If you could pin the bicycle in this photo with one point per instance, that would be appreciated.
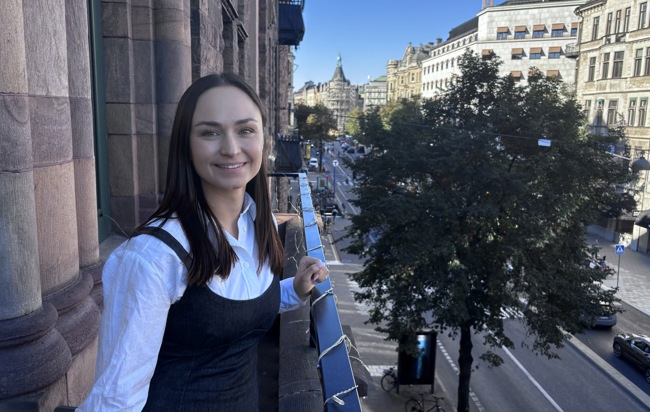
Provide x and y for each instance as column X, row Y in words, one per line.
column 389, row 380
column 417, row 405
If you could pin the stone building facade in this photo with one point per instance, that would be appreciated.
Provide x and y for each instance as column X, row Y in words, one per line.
column 338, row 95
column 374, row 93
column 88, row 90
column 614, row 83
column 404, row 77
column 522, row 33
column 341, row 97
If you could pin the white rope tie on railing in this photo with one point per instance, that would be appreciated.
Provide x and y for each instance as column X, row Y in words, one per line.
column 342, row 339
column 312, row 223
column 329, row 291
column 320, row 246
column 336, row 398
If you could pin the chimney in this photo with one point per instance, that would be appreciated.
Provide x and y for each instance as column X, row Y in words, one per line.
column 438, row 40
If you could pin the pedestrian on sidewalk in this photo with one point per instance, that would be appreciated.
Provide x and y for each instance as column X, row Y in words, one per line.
column 188, row 296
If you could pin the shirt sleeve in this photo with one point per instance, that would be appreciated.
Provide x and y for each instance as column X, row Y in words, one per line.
column 289, row 299
column 136, row 304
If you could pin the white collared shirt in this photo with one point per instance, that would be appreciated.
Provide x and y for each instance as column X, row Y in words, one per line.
column 142, row 278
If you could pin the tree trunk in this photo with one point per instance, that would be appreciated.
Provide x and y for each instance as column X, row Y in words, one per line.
column 465, row 365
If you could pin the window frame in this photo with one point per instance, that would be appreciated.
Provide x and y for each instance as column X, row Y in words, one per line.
column 643, row 10
column 604, row 71
column 591, row 74
column 617, row 65
column 608, row 24
column 638, row 62
column 631, row 111
column 643, row 111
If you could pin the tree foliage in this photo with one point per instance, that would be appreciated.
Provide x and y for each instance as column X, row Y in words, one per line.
column 315, row 122
column 463, row 213
column 353, row 123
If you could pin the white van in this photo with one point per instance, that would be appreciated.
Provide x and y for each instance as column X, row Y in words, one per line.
column 313, row 163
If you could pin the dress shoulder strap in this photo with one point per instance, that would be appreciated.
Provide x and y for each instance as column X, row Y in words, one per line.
column 164, row 236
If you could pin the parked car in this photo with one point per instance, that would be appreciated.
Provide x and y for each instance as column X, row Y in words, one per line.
column 635, row 348
column 607, row 318
column 313, row 163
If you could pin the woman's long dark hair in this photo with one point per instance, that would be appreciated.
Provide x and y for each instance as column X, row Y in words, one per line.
column 184, row 195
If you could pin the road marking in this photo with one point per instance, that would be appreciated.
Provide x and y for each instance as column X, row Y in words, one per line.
column 534, row 382
column 455, row 368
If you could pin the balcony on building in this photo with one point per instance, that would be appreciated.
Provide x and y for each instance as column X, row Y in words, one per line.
column 292, row 26
column 572, row 50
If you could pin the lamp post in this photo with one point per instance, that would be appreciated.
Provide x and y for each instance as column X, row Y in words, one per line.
column 639, row 165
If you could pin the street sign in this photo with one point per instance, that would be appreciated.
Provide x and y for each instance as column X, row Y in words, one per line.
column 335, row 163
column 620, row 249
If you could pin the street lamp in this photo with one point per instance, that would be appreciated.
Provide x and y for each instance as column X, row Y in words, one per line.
column 638, row 165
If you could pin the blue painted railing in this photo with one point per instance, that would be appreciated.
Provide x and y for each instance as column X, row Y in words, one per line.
column 337, row 379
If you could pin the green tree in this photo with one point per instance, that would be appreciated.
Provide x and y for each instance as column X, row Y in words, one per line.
column 353, row 123
column 316, row 123
column 463, row 213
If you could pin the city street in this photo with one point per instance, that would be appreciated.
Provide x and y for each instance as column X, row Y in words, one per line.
column 586, row 377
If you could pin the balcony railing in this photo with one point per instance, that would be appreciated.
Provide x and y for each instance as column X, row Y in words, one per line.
column 336, row 374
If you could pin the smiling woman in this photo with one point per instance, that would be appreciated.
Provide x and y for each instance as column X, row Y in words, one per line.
column 189, row 295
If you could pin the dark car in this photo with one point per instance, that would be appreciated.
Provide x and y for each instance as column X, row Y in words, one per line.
column 635, row 348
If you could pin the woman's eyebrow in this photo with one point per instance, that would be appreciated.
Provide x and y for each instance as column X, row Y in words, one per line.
column 217, row 124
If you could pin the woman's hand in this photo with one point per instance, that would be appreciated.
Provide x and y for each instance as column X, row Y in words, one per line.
column 310, row 272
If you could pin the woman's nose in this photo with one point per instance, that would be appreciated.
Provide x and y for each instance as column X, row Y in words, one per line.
column 229, row 144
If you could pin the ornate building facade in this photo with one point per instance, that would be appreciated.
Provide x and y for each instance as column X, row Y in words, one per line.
column 614, row 85
column 338, row 95
column 88, row 91
column 404, row 77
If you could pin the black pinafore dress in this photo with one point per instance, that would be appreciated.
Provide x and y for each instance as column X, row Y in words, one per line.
column 208, row 358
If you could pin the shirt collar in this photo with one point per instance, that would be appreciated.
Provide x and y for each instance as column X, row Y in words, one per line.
column 249, row 206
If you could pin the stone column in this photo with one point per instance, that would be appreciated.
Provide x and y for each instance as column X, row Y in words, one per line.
column 173, row 68
column 78, row 311
column 33, row 354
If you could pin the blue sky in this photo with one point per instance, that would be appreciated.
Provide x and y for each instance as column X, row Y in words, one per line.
column 369, row 33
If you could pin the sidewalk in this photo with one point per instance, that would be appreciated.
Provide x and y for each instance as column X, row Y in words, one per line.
column 633, row 278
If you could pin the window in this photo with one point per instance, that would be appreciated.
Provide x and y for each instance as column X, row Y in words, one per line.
column 557, row 30
column 552, row 73
column 538, row 31
column 520, row 32
column 485, row 53
column 608, row 26
column 631, row 112
column 587, row 108
column 517, row 54
column 554, row 52
column 617, row 67
column 574, row 29
column 638, row 58
column 626, row 22
column 605, row 71
column 646, row 71
column 643, row 107
column 611, row 111
column 516, row 75
column 643, row 8
column 617, row 22
column 502, row 33
column 592, row 69
column 412, row 77
column 599, row 113
column 536, row 53
column 594, row 29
